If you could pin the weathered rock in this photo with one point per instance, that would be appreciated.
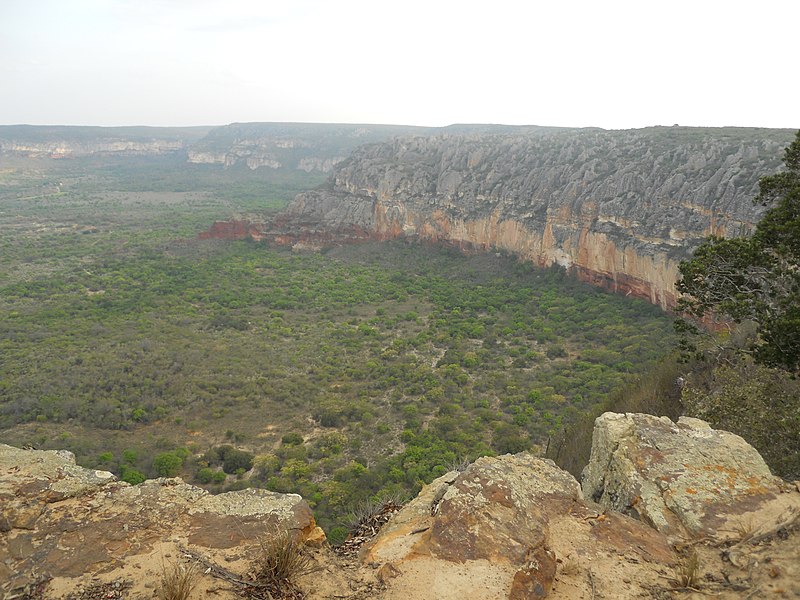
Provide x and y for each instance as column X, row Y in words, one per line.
column 63, row 521
column 679, row 478
column 500, row 529
column 620, row 209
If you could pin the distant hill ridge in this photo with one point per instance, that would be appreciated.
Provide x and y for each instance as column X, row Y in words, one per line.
column 305, row 146
column 618, row 208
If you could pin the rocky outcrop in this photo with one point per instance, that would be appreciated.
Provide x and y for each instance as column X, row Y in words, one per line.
column 618, row 208
column 680, row 478
column 519, row 527
column 504, row 528
column 509, row 527
column 233, row 230
column 62, row 521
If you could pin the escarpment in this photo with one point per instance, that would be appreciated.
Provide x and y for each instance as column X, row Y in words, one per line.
column 620, row 209
column 73, row 141
column 304, row 146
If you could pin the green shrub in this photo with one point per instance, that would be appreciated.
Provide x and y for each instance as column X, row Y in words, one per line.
column 205, row 475
column 237, row 459
column 167, row 464
column 292, row 439
column 132, row 476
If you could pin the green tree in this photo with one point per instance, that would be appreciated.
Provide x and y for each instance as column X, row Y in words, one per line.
column 757, row 278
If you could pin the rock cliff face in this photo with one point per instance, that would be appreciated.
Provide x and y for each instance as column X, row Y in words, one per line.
column 656, row 498
column 69, row 142
column 304, row 146
column 618, row 208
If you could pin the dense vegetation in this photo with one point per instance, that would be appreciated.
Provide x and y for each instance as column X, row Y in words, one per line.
column 363, row 371
column 756, row 278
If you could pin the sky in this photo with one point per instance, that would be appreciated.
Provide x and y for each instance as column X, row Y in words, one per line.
column 614, row 64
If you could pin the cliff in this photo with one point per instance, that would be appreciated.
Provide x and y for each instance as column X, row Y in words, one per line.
column 304, row 146
column 657, row 497
column 620, row 209
column 70, row 142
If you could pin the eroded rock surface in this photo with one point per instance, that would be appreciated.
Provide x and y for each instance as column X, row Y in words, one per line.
column 506, row 528
column 512, row 527
column 62, row 521
column 679, row 477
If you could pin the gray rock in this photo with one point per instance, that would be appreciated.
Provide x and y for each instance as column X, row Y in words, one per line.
column 679, row 478
column 499, row 529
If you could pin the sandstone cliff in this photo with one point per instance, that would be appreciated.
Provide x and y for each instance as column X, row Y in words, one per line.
column 618, row 208
column 657, row 498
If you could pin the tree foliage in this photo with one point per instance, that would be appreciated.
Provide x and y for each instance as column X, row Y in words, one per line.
column 756, row 278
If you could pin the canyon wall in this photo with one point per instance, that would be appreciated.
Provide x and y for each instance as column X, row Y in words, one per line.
column 620, row 209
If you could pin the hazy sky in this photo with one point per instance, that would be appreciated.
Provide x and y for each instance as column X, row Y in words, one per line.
column 612, row 63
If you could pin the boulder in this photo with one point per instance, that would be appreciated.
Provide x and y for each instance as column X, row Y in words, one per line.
column 681, row 478
column 507, row 527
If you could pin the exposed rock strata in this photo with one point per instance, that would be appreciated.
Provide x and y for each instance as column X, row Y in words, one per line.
column 72, row 142
column 618, row 208
column 304, row 146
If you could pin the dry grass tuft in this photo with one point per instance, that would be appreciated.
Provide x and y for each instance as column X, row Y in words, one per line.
column 687, row 573
column 281, row 561
column 744, row 530
column 177, row 581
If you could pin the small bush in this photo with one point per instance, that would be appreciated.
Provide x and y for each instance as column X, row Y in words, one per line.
column 292, row 439
column 132, row 476
column 237, row 459
column 205, row 475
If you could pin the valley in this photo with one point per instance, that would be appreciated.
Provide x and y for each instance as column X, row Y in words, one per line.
column 358, row 371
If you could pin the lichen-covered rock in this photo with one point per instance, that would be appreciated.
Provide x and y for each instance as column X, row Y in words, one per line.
column 501, row 528
column 62, row 521
column 679, row 477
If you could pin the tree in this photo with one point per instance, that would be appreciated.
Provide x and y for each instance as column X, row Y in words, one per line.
column 757, row 278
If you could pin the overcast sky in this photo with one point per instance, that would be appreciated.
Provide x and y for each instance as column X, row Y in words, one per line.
column 612, row 63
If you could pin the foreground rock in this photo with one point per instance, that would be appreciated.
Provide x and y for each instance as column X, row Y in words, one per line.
column 683, row 478
column 511, row 527
column 67, row 523
column 685, row 510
